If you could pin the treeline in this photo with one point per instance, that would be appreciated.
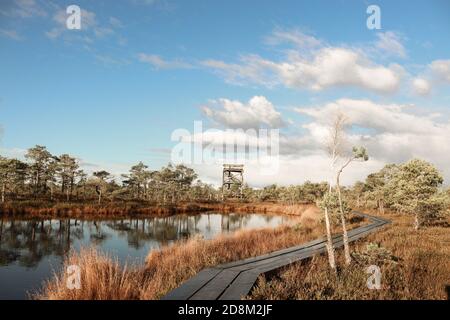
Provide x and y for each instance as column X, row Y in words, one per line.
column 44, row 176
column 309, row 192
column 413, row 187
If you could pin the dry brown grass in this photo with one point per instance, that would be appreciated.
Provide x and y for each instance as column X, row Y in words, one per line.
column 422, row 272
column 167, row 268
column 48, row 210
column 77, row 210
column 102, row 278
column 302, row 209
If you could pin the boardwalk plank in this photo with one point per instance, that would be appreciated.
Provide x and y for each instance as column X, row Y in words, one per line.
column 235, row 279
column 214, row 288
column 189, row 287
column 241, row 286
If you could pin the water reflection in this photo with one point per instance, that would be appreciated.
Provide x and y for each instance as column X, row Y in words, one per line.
column 29, row 249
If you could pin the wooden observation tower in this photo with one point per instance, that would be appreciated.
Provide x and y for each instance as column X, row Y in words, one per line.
column 232, row 180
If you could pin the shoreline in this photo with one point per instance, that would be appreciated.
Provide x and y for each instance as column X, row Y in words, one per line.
column 168, row 267
column 23, row 210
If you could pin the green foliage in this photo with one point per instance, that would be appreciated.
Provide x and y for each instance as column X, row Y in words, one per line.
column 376, row 192
column 360, row 153
column 270, row 193
column 435, row 209
column 330, row 201
column 412, row 186
column 374, row 254
column 308, row 192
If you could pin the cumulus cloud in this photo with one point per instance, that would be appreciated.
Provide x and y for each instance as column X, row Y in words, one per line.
column 256, row 113
column 15, row 153
column 320, row 68
column 435, row 74
column 368, row 114
column 441, row 70
column 421, row 86
column 115, row 169
column 339, row 67
column 159, row 63
column 292, row 171
column 391, row 132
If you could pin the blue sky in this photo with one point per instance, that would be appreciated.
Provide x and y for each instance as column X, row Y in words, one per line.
column 113, row 92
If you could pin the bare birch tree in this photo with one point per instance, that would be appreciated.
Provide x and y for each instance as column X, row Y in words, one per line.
column 336, row 146
column 357, row 154
column 333, row 146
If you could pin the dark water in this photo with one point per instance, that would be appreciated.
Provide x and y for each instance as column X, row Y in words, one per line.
column 30, row 250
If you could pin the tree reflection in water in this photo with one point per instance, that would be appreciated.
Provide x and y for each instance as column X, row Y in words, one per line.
column 27, row 242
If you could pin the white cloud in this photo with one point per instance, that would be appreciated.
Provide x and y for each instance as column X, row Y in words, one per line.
column 390, row 43
column 103, row 31
column 159, row 63
column 441, row 70
column 88, row 22
column 251, row 68
column 24, row 9
column 108, row 60
column 392, row 118
column 295, row 37
column 292, row 170
column 15, row 153
column 391, row 132
column 115, row 22
column 257, row 112
column 115, row 169
column 339, row 67
column 12, row 34
column 320, row 68
column 435, row 74
column 91, row 28
column 421, row 86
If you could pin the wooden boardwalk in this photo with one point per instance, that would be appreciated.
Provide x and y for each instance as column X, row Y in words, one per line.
column 231, row 281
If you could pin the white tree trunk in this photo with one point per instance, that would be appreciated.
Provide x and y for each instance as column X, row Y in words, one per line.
column 348, row 258
column 330, row 248
column 416, row 222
